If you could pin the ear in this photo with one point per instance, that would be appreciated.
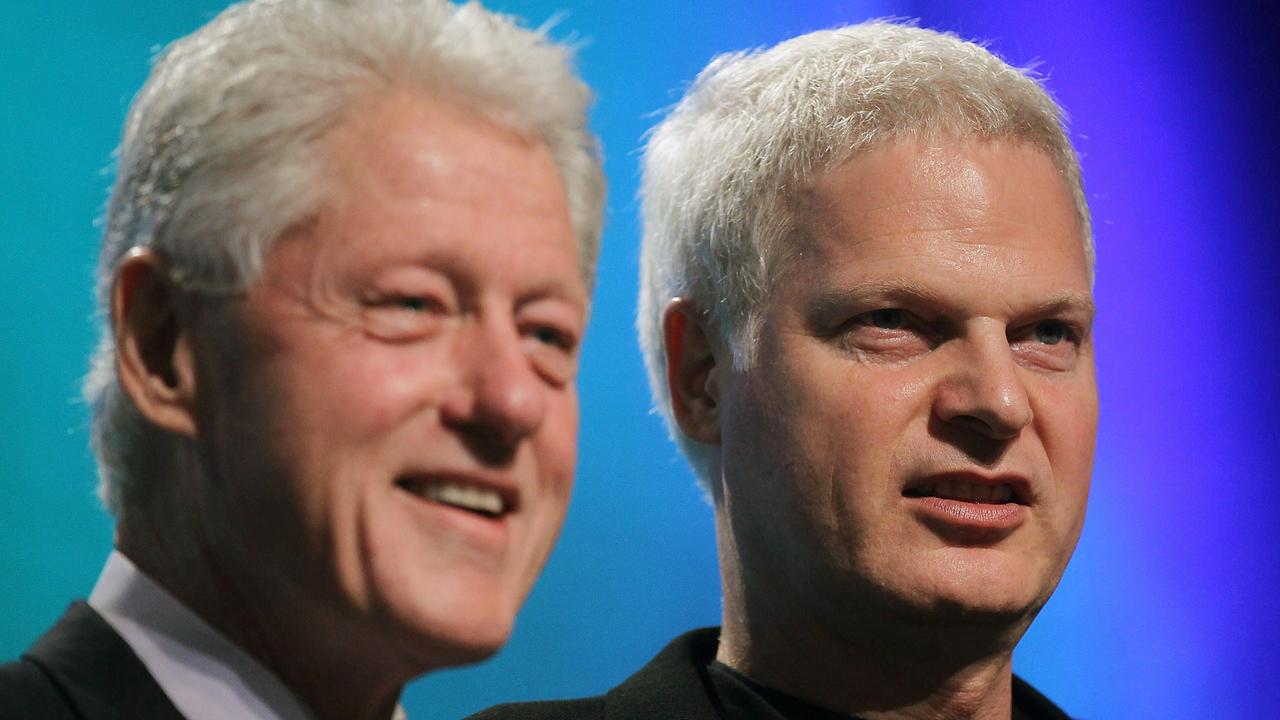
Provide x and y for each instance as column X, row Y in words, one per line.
column 693, row 372
column 154, row 359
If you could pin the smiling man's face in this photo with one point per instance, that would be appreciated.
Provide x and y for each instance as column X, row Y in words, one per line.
column 917, row 431
column 390, row 443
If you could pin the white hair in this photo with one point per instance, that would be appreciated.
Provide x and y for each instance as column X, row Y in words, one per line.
column 757, row 126
column 222, row 152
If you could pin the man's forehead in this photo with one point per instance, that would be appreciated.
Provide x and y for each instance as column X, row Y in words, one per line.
column 403, row 140
column 912, row 220
column 436, row 187
column 938, row 185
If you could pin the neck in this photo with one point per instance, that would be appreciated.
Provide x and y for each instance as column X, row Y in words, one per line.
column 335, row 669
column 866, row 660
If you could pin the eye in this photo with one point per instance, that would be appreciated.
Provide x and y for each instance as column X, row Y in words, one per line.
column 885, row 318
column 553, row 351
column 1050, row 344
column 413, row 303
column 404, row 316
column 887, row 334
column 1050, row 332
column 553, row 337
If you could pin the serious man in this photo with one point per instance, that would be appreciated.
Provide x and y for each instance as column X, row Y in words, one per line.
column 866, row 310
column 344, row 279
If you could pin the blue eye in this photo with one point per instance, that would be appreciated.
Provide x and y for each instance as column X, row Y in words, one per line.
column 1051, row 332
column 886, row 319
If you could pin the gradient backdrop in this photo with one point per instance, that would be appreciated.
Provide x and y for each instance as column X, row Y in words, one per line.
column 1168, row 609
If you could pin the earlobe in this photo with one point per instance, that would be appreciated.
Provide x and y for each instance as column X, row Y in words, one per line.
column 154, row 358
column 693, row 373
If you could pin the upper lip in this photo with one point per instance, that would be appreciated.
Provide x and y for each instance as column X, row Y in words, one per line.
column 506, row 488
column 1019, row 484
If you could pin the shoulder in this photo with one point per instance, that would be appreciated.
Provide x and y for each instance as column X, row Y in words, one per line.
column 27, row 691
column 81, row 668
column 34, row 686
column 1030, row 704
column 671, row 686
column 584, row 708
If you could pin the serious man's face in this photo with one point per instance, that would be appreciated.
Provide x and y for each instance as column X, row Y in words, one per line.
column 918, row 430
column 391, row 443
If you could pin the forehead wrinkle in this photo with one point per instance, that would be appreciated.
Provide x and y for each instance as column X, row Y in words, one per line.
column 943, row 190
column 826, row 228
column 373, row 152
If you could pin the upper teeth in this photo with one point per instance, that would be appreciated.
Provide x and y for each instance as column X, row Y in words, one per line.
column 960, row 490
column 468, row 497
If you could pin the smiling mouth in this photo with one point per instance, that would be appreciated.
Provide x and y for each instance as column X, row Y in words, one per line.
column 477, row 499
column 964, row 491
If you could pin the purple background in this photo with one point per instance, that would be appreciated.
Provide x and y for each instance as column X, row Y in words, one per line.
column 1168, row 609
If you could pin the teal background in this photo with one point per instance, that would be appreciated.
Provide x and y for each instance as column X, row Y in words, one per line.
column 1169, row 608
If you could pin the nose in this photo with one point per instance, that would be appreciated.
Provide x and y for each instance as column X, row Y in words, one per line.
column 985, row 394
column 500, row 399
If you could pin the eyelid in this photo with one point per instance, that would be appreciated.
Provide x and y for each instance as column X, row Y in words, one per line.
column 565, row 339
column 556, row 358
column 866, row 316
column 911, row 322
column 1071, row 328
column 430, row 301
column 563, row 318
column 388, row 313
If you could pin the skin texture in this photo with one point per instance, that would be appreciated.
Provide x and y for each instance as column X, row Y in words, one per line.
column 424, row 326
column 935, row 319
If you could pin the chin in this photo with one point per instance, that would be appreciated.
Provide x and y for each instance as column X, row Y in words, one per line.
column 979, row 592
column 982, row 609
column 451, row 634
column 443, row 644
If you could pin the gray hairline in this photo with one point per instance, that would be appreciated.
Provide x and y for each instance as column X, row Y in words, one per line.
column 150, row 182
column 687, row 266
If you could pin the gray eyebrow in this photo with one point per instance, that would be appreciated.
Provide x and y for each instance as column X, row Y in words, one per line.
column 889, row 288
column 1066, row 301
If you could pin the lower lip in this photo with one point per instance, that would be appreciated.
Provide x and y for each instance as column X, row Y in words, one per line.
column 969, row 522
column 487, row 533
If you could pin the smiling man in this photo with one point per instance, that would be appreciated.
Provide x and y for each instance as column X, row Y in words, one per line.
column 345, row 275
column 866, row 310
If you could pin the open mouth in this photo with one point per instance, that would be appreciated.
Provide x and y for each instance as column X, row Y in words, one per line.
column 985, row 493
column 477, row 499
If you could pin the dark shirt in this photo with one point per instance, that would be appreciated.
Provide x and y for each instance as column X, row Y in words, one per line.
column 684, row 682
column 738, row 697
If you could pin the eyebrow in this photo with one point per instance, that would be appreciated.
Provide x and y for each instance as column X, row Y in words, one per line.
column 1068, row 302
column 880, row 289
column 910, row 292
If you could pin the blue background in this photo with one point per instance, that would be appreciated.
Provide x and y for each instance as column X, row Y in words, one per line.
column 1169, row 608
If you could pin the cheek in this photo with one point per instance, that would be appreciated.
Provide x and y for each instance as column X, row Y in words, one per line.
column 557, row 444
column 1067, row 422
column 369, row 388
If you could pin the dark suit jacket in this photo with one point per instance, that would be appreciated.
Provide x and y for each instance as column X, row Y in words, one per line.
column 675, row 686
column 81, row 670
